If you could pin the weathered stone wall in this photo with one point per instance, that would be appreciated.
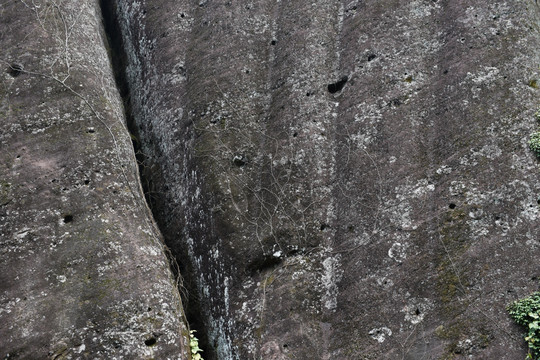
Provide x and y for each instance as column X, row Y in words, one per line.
column 83, row 273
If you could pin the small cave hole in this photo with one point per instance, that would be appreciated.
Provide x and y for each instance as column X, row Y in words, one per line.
column 239, row 160
column 395, row 102
column 285, row 346
column 91, row 130
column 445, row 72
column 452, row 206
column 150, row 342
column 417, row 311
column 86, row 182
column 338, row 86
column 182, row 15
column 323, row 227
column 371, row 57
column 68, row 218
column 149, row 309
column 264, row 263
column 273, row 42
column 15, row 69
column 295, row 134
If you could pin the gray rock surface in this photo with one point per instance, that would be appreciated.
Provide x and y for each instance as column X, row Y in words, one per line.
column 337, row 179
column 83, row 272
column 343, row 179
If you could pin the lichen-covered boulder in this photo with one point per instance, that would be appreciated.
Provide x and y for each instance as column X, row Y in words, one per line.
column 83, row 272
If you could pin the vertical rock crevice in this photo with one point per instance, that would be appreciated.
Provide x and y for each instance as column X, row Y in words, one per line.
column 119, row 62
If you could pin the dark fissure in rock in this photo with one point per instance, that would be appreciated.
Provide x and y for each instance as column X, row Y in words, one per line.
column 119, row 62
column 338, row 86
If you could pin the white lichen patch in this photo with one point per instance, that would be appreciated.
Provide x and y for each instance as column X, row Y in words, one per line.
column 421, row 9
column 332, row 275
column 416, row 309
column 398, row 251
column 380, row 334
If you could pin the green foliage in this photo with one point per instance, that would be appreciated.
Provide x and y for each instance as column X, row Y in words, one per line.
column 194, row 345
column 526, row 312
column 534, row 143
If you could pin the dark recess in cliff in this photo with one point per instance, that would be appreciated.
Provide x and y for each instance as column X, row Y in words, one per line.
column 119, row 61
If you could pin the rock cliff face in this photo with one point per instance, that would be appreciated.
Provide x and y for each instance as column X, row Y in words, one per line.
column 336, row 179
column 343, row 179
column 83, row 273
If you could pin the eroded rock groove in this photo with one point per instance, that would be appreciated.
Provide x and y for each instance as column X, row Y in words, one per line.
column 119, row 62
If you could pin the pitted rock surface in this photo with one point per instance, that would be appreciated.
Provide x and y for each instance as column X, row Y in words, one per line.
column 336, row 179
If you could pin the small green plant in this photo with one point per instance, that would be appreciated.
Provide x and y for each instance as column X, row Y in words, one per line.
column 534, row 143
column 194, row 345
column 526, row 312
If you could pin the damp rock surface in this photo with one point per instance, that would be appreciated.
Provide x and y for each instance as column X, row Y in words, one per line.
column 83, row 273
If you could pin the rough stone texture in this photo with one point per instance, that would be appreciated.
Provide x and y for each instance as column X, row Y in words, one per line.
column 338, row 179
column 343, row 179
column 83, row 273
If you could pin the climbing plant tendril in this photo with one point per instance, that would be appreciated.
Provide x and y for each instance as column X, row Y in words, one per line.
column 526, row 312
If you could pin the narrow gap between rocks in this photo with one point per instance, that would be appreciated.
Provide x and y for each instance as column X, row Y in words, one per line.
column 118, row 59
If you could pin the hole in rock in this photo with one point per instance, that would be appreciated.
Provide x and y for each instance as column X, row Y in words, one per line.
column 239, row 160
column 263, row 263
column 15, row 69
column 338, row 86
column 371, row 57
column 452, row 206
column 150, row 342
column 68, row 218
